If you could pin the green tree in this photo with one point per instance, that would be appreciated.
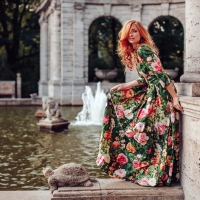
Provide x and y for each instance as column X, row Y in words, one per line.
column 19, row 42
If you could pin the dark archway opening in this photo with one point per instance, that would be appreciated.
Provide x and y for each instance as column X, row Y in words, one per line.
column 103, row 38
column 168, row 35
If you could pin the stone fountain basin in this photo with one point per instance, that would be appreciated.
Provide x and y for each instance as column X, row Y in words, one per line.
column 50, row 127
column 106, row 74
column 172, row 72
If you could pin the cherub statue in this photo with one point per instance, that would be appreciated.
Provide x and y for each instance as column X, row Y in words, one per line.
column 52, row 111
column 70, row 174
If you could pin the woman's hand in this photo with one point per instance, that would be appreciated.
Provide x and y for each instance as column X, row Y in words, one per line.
column 176, row 104
column 116, row 87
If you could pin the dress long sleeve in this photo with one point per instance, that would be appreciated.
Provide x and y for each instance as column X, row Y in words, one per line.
column 150, row 67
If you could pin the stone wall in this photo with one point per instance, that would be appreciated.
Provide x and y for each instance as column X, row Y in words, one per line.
column 190, row 147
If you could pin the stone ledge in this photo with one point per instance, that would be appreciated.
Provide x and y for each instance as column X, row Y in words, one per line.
column 116, row 189
column 188, row 89
column 20, row 102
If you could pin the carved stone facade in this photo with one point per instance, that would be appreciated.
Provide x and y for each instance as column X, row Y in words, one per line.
column 64, row 39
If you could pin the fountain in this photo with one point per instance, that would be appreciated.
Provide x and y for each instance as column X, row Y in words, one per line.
column 93, row 107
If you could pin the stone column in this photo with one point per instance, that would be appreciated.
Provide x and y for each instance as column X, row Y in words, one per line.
column 78, row 54
column 191, row 74
column 43, row 89
column 67, row 47
column 55, row 56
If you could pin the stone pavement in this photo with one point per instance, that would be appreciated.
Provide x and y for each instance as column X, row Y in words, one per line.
column 116, row 189
column 25, row 195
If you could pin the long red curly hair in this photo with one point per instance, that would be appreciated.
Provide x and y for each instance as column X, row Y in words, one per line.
column 125, row 49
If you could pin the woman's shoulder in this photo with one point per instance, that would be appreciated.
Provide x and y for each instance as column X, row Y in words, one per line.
column 144, row 50
column 144, row 47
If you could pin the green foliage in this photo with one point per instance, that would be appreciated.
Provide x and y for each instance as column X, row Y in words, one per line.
column 102, row 47
column 19, row 43
column 168, row 35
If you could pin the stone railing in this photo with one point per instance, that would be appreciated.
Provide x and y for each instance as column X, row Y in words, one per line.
column 7, row 88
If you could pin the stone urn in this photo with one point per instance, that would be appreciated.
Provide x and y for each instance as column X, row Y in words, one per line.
column 106, row 74
column 172, row 72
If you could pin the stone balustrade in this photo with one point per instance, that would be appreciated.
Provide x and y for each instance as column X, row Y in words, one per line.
column 7, row 89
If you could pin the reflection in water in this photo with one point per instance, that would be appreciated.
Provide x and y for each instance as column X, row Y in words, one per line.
column 24, row 150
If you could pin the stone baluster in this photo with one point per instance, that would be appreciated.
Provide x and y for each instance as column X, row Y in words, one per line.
column 191, row 74
column 19, row 84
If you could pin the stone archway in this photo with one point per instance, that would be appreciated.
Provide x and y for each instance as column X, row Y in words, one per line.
column 168, row 35
column 103, row 39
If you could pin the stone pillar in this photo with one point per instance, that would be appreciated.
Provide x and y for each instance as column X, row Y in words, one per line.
column 43, row 88
column 19, row 85
column 78, row 54
column 191, row 74
column 55, row 56
column 67, row 46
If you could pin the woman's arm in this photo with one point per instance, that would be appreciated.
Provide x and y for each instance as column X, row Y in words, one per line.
column 125, row 85
column 176, row 103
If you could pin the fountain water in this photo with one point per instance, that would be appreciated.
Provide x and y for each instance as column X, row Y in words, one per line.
column 93, row 107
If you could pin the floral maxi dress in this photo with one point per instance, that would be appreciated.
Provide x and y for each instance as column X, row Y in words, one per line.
column 140, row 132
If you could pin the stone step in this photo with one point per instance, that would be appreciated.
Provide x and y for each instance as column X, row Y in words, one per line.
column 116, row 189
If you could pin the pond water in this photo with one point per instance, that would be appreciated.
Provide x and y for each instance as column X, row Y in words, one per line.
column 24, row 150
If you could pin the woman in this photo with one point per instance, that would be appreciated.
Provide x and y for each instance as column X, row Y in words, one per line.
column 140, row 133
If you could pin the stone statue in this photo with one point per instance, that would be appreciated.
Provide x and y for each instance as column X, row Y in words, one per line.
column 70, row 174
column 52, row 111
column 52, row 119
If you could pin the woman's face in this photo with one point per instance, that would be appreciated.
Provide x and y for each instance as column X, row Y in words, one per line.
column 134, row 35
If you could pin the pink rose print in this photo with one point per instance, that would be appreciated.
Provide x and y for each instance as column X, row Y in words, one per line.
column 140, row 126
column 143, row 181
column 170, row 169
column 130, row 133
column 136, row 164
column 119, row 107
column 160, row 127
column 120, row 173
column 169, row 141
column 172, row 117
column 142, row 113
column 157, row 65
column 107, row 135
column 106, row 119
column 100, row 160
column 120, row 113
column 149, row 150
column 138, row 156
column 164, row 177
column 141, row 138
column 149, row 59
column 149, row 109
column 122, row 159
